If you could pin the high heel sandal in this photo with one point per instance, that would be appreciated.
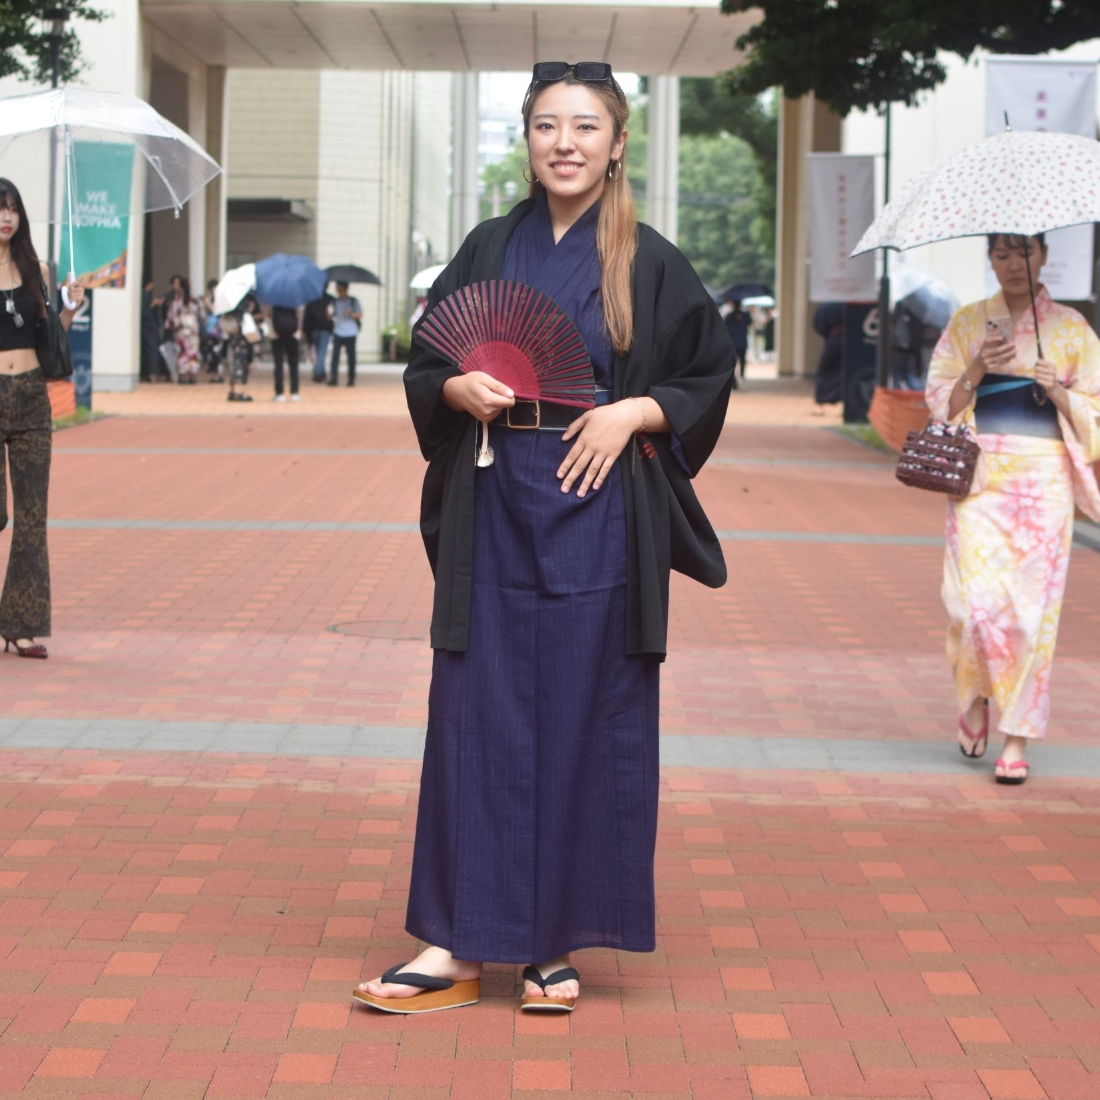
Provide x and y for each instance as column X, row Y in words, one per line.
column 975, row 739
column 36, row 651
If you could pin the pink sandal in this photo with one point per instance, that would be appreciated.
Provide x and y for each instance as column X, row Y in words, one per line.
column 1009, row 778
column 975, row 739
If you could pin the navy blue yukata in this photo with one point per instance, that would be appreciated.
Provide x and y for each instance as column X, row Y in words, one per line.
column 538, row 803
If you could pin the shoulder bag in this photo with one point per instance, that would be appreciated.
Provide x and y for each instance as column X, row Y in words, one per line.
column 51, row 343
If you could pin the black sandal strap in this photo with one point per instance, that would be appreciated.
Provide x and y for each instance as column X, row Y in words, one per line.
column 396, row 976
column 566, row 974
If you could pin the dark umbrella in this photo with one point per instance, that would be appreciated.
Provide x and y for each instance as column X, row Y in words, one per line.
column 351, row 273
column 736, row 291
column 930, row 305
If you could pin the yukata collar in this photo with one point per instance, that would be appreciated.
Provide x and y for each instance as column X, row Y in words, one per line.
column 542, row 212
column 998, row 307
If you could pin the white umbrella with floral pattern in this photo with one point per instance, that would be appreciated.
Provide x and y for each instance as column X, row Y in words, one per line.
column 1019, row 182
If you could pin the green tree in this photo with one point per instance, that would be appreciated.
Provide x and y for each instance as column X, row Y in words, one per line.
column 25, row 50
column 718, row 211
column 856, row 54
column 710, row 107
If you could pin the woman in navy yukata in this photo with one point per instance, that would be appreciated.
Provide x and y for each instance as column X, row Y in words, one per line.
column 538, row 806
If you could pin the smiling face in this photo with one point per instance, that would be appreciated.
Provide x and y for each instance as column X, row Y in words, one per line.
column 571, row 142
column 1010, row 257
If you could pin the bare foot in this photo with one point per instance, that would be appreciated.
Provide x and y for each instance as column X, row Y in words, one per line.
column 974, row 718
column 571, row 988
column 432, row 960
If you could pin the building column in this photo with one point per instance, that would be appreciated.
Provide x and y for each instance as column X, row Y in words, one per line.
column 217, row 131
column 805, row 126
column 663, row 175
column 464, row 138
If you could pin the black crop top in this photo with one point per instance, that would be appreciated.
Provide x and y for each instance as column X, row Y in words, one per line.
column 23, row 302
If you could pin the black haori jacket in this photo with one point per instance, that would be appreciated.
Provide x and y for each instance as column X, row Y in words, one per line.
column 681, row 356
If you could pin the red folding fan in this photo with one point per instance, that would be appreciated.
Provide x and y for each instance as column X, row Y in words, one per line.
column 517, row 335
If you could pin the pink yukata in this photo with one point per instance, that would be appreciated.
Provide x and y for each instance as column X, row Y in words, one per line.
column 1008, row 542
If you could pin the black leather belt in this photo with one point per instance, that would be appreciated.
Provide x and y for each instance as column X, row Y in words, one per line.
column 544, row 415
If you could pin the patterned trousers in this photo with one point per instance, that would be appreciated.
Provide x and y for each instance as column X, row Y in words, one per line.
column 26, row 427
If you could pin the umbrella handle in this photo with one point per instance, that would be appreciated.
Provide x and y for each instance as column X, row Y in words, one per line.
column 69, row 183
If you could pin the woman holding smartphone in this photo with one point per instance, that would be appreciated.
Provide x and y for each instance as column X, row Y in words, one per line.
column 1037, row 420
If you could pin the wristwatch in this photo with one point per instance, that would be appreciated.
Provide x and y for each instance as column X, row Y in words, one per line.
column 967, row 384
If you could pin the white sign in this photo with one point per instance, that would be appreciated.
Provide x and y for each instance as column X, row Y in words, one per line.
column 842, row 204
column 1059, row 96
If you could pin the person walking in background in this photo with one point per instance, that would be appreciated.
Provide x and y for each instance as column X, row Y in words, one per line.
column 151, row 369
column 1037, row 421
column 737, row 325
column 284, row 345
column 829, row 376
column 347, row 313
column 182, row 322
column 241, row 333
column 537, row 823
column 212, row 342
column 317, row 330
column 26, row 428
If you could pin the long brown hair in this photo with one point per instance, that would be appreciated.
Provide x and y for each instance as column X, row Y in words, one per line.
column 22, row 247
column 617, row 228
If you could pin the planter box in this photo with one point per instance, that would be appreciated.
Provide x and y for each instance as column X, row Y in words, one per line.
column 896, row 413
column 62, row 398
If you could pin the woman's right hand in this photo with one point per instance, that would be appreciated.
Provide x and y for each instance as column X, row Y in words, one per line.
column 479, row 394
column 995, row 355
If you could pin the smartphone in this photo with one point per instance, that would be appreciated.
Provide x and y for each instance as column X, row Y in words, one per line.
column 1001, row 328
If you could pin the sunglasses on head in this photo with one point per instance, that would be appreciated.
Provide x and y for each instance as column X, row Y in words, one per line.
column 589, row 72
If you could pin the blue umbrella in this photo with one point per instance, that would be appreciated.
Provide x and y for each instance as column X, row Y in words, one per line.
column 289, row 281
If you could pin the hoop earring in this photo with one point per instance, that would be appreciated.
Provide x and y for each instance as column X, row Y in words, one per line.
column 611, row 169
column 523, row 172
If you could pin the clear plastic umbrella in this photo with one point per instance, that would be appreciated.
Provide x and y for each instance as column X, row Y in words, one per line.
column 168, row 165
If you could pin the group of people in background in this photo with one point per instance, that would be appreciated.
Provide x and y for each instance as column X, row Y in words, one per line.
column 183, row 336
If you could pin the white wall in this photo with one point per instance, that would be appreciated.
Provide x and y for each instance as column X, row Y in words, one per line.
column 946, row 120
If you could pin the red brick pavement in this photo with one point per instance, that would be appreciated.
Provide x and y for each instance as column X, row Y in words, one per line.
column 181, row 926
column 807, row 639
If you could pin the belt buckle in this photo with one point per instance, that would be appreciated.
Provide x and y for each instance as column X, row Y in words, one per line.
column 524, row 427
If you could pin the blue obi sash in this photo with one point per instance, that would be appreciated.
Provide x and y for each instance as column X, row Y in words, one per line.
column 1006, row 405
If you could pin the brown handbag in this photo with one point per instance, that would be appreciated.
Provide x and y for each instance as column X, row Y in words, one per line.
column 940, row 458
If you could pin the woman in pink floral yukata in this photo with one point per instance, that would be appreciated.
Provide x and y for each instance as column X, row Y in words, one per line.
column 1037, row 420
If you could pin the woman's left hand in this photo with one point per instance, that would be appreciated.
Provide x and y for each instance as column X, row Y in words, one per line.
column 601, row 434
column 1046, row 375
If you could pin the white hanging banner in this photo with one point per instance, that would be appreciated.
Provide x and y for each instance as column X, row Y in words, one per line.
column 842, row 205
column 1058, row 96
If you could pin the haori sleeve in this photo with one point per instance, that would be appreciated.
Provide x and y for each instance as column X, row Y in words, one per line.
column 434, row 420
column 1084, row 395
column 949, row 360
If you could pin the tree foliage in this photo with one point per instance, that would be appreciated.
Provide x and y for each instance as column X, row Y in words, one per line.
column 857, row 54
column 25, row 48
column 708, row 107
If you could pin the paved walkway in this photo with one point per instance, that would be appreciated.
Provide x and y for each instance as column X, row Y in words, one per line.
column 208, row 793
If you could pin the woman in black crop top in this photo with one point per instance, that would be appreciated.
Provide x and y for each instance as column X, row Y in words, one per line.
column 26, row 424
